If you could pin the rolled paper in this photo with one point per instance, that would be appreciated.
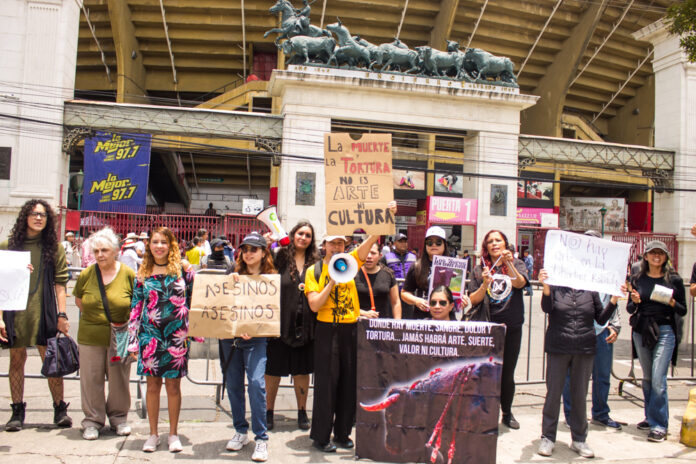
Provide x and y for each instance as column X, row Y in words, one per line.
column 661, row 294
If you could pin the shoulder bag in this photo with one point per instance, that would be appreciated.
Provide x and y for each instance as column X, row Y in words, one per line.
column 61, row 356
column 118, row 346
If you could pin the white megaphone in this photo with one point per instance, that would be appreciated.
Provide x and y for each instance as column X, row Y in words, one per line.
column 269, row 216
column 342, row 268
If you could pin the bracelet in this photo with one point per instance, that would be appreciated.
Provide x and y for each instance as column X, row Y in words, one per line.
column 63, row 315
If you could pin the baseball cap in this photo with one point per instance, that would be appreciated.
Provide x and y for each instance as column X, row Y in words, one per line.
column 400, row 236
column 70, row 234
column 656, row 245
column 436, row 231
column 254, row 239
column 331, row 238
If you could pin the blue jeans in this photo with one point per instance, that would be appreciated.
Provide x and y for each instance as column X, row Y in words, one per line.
column 249, row 356
column 601, row 373
column 654, row 364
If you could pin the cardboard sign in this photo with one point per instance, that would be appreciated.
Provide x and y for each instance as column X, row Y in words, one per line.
column 14, row 280
column 358, row 184
column 428, row 391
column 584, row 262
column 223, row 308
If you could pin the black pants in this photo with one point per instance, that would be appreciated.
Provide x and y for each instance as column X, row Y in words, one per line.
column 513, row 342
column 334, row 381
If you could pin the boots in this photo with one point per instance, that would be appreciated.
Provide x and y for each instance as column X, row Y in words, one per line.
column 16, row 422
column 302, row 420
column 60, row 414
column 269, row 419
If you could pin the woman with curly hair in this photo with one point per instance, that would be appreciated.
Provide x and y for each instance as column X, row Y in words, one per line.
column 158, row 329
column 35, row 232
column 293, row 353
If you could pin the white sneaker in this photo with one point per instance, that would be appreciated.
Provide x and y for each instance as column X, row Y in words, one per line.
column 582, row 449
column 123, row 430
column 261, row 451
column 151, row 443
column 237, row 442
column 545, row 447
column 174, row 444
column 90, row 433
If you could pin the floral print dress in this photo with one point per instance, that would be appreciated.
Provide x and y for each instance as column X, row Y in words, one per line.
column 158, row 327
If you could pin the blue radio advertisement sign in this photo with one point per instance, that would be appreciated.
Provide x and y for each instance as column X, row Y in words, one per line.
column 116, row 172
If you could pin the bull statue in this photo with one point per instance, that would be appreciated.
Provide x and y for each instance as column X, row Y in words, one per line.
column 300, row 49
column 440, row 64
column 348, row 50
column 455, row 402
column 483, row 65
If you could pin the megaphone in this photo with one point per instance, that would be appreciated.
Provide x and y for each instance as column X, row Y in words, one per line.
column 342, row 268
column 269, row 216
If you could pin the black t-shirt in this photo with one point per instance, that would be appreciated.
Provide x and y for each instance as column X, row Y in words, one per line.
column 381, row 282
column 411, row 285
column 510, row 309
column 297, row 321
column 662, row 313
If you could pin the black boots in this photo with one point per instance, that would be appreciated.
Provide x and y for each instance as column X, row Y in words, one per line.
column 60, row 414
column 269, row 419
column 16, row 422
column 302, row 420
column 510, row 421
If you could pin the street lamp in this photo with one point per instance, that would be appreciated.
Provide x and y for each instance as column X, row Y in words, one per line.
column 603, row 212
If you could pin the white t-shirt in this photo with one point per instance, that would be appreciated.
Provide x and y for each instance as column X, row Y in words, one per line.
column 130, row 258
column 140, row 247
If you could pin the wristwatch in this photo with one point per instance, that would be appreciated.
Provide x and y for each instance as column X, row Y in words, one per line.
column 63, row 315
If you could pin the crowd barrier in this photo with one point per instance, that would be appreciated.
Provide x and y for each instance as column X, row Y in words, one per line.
column 535, row 348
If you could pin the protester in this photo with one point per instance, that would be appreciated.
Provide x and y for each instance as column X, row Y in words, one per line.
column 400, row 260
column 94, row 337
column 195, row 253
column 70, row 249
column 87, row 256
column 441, row 304
column 247, row 355
column 141, row 245
column 657, row 297
column 205, row 244
column 35, row 231
column 495, row 290
column 228, row 249
column 129, row 256
column 529, row 264
column 378, row 291
column 470, row 263
column 217, row 259
column 337, row 308
column 158, row 329
column 570, row 345
column 293, row 353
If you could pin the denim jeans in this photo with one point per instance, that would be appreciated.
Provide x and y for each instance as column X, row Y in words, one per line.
column 601, row 380
column 249, row 356
column 654, row 364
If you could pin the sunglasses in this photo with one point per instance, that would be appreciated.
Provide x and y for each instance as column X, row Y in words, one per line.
column 249, row 249
column 434, row 242
column 443, row 303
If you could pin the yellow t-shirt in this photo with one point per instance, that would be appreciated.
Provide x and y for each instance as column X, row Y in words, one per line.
column 347, row 295
column 193, row 256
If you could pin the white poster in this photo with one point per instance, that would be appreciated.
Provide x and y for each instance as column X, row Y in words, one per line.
column 585, row 263
column 14, row 280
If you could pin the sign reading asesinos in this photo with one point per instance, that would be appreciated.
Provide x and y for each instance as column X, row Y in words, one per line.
column 358, row 184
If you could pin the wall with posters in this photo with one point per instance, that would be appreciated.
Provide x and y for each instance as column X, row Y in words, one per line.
column 582, row 213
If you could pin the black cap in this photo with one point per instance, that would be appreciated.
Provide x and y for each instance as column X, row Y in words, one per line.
column 254, row 239
column 217, row 243
column 400, row 236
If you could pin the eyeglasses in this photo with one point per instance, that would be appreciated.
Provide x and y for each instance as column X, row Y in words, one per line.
column 37, row 215
column 434, row 242
column 443, row 303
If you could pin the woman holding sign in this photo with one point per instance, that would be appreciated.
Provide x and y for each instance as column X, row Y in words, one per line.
column 657, row 297
column 248, row 355
column 35, row 232
column 378, row 291
column 442, row 304
column 495, row 291
column 158, row 329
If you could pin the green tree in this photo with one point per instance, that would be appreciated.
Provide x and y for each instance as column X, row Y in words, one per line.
column 681, row 18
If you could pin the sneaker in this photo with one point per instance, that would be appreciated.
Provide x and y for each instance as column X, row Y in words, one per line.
column 151, row 444
column 16, row 422
column 582, row 449
column 608, row 422
column 237, row 442
column 123, row 430
column 174, row 444
column 545, row 447
column 261, row 451
column 60, row 414
column 643, row 425
column 90, row 433
column 657, row 436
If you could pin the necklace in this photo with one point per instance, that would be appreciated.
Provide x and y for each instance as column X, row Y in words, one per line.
column 163, row 265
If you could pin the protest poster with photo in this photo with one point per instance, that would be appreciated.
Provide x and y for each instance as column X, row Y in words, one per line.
column 428, row 390
column 584, row 262
column 223, row 308
column 450, row 272
column 14, row 280
column 358, row 174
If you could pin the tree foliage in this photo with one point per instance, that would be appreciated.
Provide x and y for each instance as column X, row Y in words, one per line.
column 681, row 18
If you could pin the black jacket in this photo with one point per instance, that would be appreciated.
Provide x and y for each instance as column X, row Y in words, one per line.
column 571, row 316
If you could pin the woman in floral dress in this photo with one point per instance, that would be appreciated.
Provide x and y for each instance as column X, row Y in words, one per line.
column 159, row 329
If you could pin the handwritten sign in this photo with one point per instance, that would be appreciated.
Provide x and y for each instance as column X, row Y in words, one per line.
column 223, row 308
column 585, row 263
column 14, row 280
column 358, row 176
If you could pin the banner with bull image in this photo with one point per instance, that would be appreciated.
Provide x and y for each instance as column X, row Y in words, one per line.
column 428, row 391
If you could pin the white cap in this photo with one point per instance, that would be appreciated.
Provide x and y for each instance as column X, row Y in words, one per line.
column 331, row 238
column 132, row 235
column 436, row 231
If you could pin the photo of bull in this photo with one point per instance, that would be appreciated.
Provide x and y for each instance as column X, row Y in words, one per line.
column 449, row 415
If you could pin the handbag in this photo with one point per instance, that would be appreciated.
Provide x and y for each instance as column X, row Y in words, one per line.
column 61, row 356
column 118, row 345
